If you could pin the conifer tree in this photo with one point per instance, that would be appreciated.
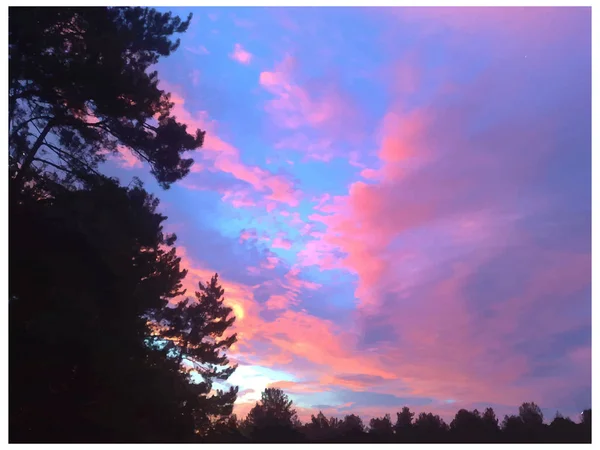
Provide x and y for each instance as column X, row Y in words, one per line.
column 80, row 85
column 195, row 332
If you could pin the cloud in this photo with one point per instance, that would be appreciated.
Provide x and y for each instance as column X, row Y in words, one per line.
column 325, row 345
column 199, row 50
column 282, row 243
column 293, row 107
column 457, row 192
column 278, row 302
column 124, row 158
column 455, row 265
column 225, row 157
column 247, row 234
column 355, row 382
column 294, row 387
column 316, row 118
column 240, row 55
column 245, row 392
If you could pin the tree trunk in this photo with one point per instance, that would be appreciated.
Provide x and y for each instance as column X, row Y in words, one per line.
column 31, row 154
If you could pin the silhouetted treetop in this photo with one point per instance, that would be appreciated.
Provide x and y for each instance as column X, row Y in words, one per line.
column 192, row 332
column 275, row 406
column 80, row 85
column 531, row 414
column 404, row 419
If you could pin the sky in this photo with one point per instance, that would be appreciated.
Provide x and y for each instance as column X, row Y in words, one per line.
column 397, row 202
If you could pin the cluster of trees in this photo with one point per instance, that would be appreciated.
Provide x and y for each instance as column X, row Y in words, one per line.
column 101, row 346
column 274, row 419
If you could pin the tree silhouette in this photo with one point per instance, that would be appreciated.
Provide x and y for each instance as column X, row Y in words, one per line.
column 80, row 85
column 404, row 419
column 320, row 428
column 228, row 429
column 382, row 428
column 430, row 428
column 586, row 417
column 531, row 414
column 490, row 425
column 194, row 333
column 100, row 263
column 562, row 429
column 273, row 418
column 586, row 425
column 468, row 426
column 512, row 428
column 352, row 428
column 403, row 428
column 533, row 421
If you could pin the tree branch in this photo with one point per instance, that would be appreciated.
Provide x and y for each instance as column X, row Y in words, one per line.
column 61, row 152
column 22, row 124
column 54, row 165
column 31, row 154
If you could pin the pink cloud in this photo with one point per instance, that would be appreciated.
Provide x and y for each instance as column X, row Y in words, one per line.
column 248, row 234
column 240, row 55
column 294, row 283
column 369, row 174
column 403, row 236
column 447, row 204
column 280, row 302
column 225, row 158
column 319, row 107
column 278, row 242
column 271, row 262
column 126, row 159
column 325, row 344
column 239, row 198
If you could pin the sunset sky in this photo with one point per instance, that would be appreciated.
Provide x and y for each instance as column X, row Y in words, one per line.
column 397, row 201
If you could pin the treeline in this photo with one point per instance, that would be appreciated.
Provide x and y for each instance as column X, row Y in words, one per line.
column 274, row 419
column 102, row 348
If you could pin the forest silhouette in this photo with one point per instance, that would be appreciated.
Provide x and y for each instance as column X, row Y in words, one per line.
column 101, row 346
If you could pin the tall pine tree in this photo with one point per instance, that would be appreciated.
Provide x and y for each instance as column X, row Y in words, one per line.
column 194, row 333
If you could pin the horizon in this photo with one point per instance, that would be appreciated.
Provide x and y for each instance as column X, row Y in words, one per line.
column 397, row 202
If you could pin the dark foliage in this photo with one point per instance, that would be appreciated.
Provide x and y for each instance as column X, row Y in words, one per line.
column 191, row 332
column 80, row 85
column 271, row 420
column 88, row 269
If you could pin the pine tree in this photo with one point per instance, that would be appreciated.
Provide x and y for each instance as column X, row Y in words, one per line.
column 80, row 85
column 194, row 332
